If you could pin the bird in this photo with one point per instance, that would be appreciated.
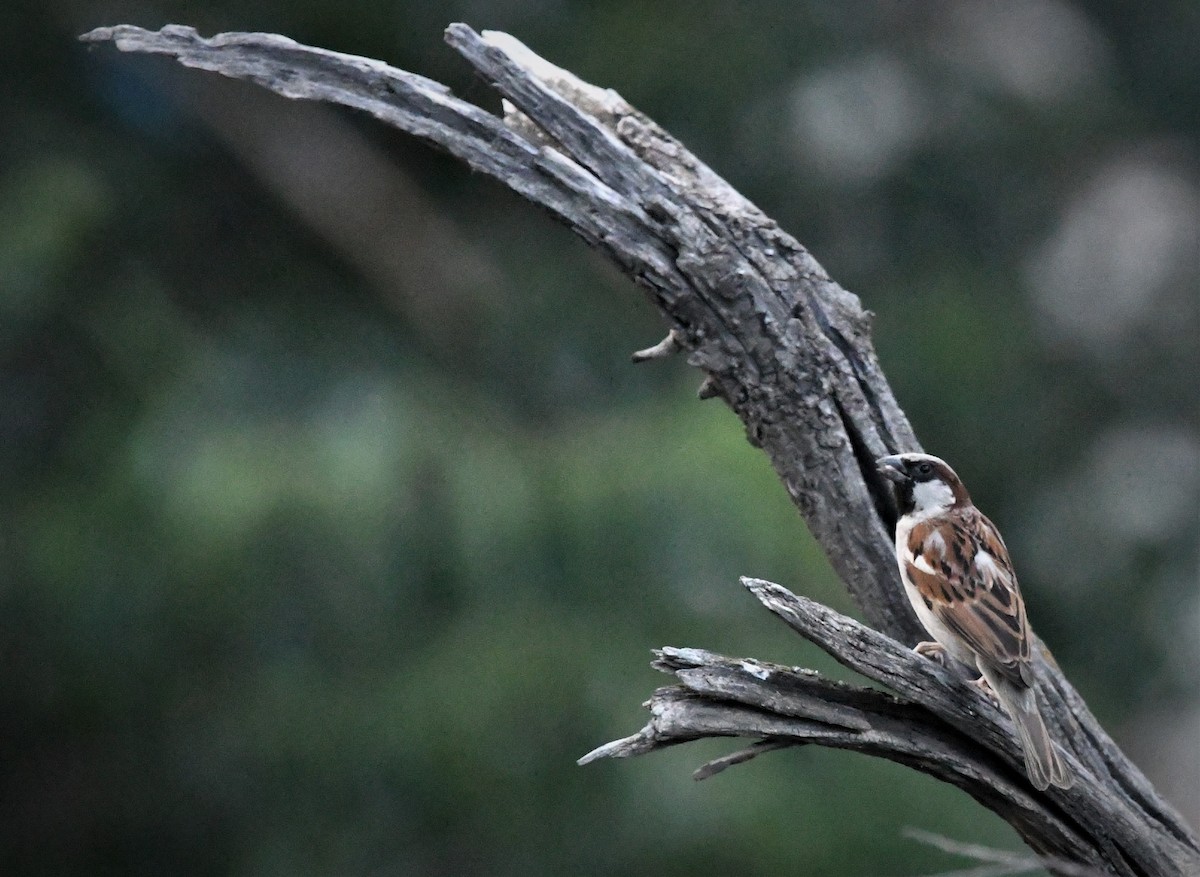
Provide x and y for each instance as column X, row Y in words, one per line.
column 960, row 580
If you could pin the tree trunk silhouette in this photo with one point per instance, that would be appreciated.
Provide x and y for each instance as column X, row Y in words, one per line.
column 790, row 352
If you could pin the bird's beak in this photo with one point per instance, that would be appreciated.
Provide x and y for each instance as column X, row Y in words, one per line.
column 892, row 468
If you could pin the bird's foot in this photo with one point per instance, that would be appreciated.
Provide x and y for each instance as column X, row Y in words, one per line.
column 932, row 651
column 986, row 690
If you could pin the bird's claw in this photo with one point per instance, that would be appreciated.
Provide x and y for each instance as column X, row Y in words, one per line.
column 986, row 690
column 933, row 651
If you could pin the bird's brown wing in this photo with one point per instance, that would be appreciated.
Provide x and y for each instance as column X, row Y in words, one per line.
column 961, row 568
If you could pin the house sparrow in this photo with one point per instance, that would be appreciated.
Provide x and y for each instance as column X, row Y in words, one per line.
column 957, row 573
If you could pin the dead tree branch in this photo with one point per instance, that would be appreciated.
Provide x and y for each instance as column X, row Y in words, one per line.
column 790, row 352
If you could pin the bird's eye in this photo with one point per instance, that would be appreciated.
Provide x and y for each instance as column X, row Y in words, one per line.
column 925, row 469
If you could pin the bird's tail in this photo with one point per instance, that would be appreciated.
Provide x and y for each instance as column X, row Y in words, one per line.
column 1042, row 762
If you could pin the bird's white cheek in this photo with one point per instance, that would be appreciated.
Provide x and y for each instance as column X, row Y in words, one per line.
column 932, row 497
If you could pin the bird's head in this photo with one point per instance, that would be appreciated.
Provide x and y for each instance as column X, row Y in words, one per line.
column 925, row 485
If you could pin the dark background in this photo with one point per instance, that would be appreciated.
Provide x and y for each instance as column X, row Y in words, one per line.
column 337, row 523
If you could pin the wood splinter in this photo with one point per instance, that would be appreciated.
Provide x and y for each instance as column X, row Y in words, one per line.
column 710, row 389
column 667, row 347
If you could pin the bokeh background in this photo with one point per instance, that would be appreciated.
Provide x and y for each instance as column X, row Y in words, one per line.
column 337, row 524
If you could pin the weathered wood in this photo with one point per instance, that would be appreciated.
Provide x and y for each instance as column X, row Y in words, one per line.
column 727, row 697
column 1114, row 822
column 790, row 352
column 786, row 347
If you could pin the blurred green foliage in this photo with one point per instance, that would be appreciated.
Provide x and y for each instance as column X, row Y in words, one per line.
column 307, row 571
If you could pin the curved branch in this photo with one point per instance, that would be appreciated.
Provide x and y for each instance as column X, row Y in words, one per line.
column 1112, row 821
column 790, row 352
column 729, row 697
column 786, row 347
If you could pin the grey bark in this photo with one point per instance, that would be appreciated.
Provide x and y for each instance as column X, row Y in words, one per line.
column 790, row 352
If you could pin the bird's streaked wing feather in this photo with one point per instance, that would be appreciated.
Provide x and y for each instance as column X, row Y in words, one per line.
column 961, row 568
